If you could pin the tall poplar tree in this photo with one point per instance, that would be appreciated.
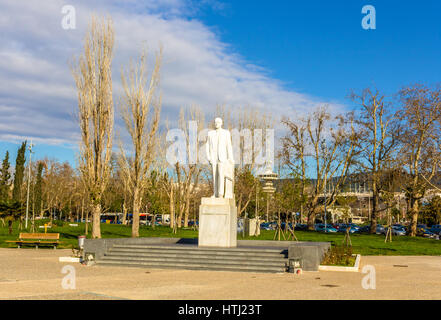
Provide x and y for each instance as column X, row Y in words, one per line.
column 19, row 172
column 93, row 78
column 5, row 176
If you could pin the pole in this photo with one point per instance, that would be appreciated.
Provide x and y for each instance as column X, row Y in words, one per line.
column 326, row 229
column 257, row 205
column 267, row 206
column 369, row 204
column 29, row 183
column 255, row 213
column 326, row 176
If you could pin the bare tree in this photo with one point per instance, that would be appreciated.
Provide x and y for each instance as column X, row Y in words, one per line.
column 93, row 78
column 377, row 141
column 166, row 181
column 293, row 155
column 420, row 152
column 141, row 121
column 188, row 175
column 328, row 144
column 168, row 186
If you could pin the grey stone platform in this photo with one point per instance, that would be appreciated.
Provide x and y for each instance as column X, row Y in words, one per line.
column 180, row 253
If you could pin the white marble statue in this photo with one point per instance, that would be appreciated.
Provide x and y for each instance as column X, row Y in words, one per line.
column 220, row 156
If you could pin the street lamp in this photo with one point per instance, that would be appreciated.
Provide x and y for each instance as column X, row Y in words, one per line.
column 326, row 229
column 29, row 183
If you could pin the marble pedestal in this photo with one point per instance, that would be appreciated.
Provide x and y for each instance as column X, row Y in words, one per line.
column 217, row 223
column 252, row 227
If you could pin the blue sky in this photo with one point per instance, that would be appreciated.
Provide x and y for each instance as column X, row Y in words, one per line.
column 320, row 48
column 283, row 56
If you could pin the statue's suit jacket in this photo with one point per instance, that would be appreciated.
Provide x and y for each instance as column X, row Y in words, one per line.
column 219, row 153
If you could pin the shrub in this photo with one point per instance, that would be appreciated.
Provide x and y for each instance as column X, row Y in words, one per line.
column 339, row 255
column 58, row 223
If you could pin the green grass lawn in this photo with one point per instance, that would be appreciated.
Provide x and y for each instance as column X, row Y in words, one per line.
column 363, row 244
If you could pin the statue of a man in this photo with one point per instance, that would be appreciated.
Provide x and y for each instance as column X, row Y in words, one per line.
column 220, row 156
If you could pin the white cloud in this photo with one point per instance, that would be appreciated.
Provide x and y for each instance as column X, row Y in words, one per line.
column 37, row 96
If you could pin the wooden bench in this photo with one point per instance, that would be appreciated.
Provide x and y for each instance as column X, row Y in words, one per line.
column 37, row 239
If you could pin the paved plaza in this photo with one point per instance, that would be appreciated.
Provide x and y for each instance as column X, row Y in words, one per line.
column 37, row 274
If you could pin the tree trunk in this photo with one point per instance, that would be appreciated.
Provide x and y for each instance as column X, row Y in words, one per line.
column 71, row 216
column 311, row 220
column 124, row 219
column 179, row 208
column 136, row 205
column 96, row 221
column 172, row 208
column 87, row 224
column 179, row 222
column 82, row 210
column 414, row 209
column 312, row 214
column 187, row 210
column 375, row 204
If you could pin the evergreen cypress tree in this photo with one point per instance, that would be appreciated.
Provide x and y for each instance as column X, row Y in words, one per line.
column 38, row 188
column 19, row 173
column 5, row 175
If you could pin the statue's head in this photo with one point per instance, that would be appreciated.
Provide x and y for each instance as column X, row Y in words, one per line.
column 218, row 123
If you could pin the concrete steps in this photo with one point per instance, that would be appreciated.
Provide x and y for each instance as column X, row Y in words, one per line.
column 190, row 259
column 165, row 255
column 195, row 258
column 196, row 248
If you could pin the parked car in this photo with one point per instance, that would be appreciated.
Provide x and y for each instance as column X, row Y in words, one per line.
column 436, row 228
column 351, row 229
column 301, row 226
column 149, row 223
column 265, row 226
column 191, row 223
column 355, row 226
column 396, row 231
column 367, row 229
column 380, row 229
column 346, row 225
column 321, row 228
column 424, row 232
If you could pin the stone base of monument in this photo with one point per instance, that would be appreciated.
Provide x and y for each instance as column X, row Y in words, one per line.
column 252, row 227
column 309, row 254
column 180, row 253
column 217, row 223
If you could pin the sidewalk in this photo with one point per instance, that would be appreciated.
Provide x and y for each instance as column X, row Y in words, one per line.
column 36, row 274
